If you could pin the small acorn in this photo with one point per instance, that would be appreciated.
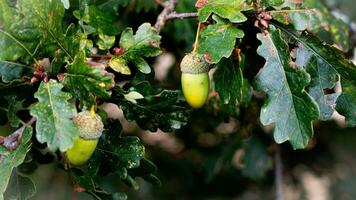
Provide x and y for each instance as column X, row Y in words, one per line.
column 90, row 129
column 195, row 79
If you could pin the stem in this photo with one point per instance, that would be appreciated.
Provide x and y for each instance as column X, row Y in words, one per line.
column 197, row 39
column 163, row 16
column 175, row 15
column 278, row 175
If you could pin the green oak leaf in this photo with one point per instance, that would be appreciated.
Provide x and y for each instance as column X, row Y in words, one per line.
column 218, row 40
column 145, row 43
column 299, row 18
column 9, row 160
column 100, row 19
column 323, row 78
column 230, row 84
column 119, row 64
column 320, row 21
column 158, row 108
column 20, row 187
column 53, row 113
column 31, row 25
column 346, row 103
column 325, row 63
column 85, row 81
column 228, row 9
column 105, row 42
column 10, row 71
column 288, row 106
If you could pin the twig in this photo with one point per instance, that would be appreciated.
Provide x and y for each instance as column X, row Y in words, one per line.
column 12, row 141
column 175, row 15
column 163, row 16
column 278, row 175
column 107, row 56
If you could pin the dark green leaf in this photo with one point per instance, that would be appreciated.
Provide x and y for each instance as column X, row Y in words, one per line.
column 145, row 43
column 229, row 9
column 325, row 63
column 20, row 187
column 218, row 40
column 53, row 113
column 10, row 71
column 288, row 106
column 86, row 82
column 299, row 18
column 11, row 159
column 157, row 110
column 346, row 103
column 100, row 19
column 230, row 83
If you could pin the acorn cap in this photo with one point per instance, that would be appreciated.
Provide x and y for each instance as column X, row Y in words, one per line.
column 89, row 125
column 194, row 63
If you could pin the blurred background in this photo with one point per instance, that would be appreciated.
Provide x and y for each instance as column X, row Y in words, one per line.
column 205, row 160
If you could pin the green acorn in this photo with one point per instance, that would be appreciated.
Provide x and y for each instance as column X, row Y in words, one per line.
column 90, row 129
column 195, row 79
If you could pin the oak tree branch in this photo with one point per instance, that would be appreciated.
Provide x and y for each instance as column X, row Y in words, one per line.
column 163, row 16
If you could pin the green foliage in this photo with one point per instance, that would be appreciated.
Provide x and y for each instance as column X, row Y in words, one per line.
column 10, row 159
column 59, row 56
column 53, row 113
column 145, row 43
column 222, row 36
column 288, row 105
column 229, row 9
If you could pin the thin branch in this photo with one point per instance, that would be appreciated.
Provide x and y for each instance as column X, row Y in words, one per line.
column 162, row 17
column 278, row 175
column 175, row 15
column 105, row 57
column 12, row 141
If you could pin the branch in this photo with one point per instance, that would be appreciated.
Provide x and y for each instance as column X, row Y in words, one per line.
column 278, row 175
column 163, row 16
column 12, row 141
column 175, row 15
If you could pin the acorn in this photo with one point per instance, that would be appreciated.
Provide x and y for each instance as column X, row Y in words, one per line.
column 90, row 128
column 195, row 79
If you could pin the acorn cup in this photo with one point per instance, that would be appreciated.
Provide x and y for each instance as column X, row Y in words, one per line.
column 90, row 129
column 195, row 79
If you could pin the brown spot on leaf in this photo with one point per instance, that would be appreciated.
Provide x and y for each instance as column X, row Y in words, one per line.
column 200, row 3
column 208, row 57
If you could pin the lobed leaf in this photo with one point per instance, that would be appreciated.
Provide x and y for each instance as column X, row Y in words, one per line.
column 9, row 160
column 218, row 40
column 53, row 114
column 145, row 43
column 228, row 9
column 288, row 106
column 86, row 82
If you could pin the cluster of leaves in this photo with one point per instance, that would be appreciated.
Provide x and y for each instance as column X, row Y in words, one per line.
column 60, row 56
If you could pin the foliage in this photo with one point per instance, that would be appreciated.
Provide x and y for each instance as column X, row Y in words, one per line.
column 280, row 63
